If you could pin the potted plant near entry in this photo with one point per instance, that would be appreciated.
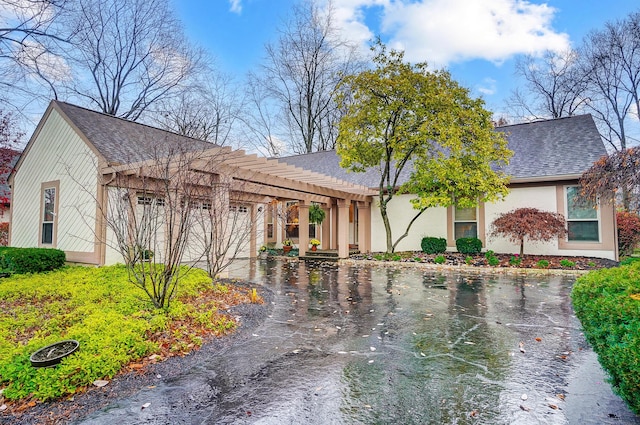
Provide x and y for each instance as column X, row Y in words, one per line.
column 287, row 245
column 263, row 252
column 314, row 244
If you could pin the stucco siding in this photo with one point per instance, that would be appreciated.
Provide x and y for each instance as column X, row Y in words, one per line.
column 432, row 222
column 540, row 197
column 56, row 154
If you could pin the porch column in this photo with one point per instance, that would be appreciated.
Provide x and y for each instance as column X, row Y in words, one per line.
column 364, row 226
column 334, row 227
column 253, row 238
column 326, row 228
column 343, row 227
column 303, row 227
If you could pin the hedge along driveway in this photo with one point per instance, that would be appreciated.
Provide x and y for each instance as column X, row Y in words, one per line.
column 607, row 302
column 113, row 320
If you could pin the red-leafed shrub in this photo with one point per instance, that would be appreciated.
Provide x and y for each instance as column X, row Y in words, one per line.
column 529, row 223
column 4, row 234
column 628, row 232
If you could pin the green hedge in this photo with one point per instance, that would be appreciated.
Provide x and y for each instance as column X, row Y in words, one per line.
column 469, row 245
column 607, row 302
column 431, row 245
column 30, row 260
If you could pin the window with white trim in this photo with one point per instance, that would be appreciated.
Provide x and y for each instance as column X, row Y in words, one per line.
column 49, row 214
column 583, row 221
column 465, row 223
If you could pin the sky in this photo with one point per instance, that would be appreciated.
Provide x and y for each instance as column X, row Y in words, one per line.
column 476, row 40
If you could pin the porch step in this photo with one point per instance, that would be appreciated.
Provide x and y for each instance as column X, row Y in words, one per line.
column 325, row 255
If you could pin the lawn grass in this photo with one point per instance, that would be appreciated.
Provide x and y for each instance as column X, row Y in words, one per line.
column 114, row 321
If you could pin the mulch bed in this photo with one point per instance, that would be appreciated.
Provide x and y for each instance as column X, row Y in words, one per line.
column 479, row 260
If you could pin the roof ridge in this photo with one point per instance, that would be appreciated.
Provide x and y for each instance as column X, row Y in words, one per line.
column 308, row 153
column 544, row 120
column 131, row 121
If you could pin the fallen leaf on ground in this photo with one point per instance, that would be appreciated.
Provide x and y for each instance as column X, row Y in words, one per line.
column 100, row 383
column 525, row 408
column 521, row 345
column 560, row 396
column 538, row 339
column 144, row 406
column 553, row 406
column 3, row 408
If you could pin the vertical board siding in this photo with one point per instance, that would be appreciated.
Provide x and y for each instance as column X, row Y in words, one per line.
column 57, row 153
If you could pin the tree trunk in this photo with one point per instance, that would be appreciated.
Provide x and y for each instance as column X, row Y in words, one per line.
column 521, row 248
column 387, row 227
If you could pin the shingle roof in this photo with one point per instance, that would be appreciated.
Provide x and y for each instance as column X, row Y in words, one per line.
column 121, row 141
column 551, row 148
column 563, row 146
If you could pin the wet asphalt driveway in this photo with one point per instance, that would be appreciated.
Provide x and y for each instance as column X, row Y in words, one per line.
column 355, row 344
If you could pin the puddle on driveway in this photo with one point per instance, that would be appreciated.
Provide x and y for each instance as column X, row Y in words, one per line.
column 384, row 345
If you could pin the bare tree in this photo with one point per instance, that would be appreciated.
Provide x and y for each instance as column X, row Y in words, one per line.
column 27, row 25
column 172, row 211
column 208, row 108
column 222, row 226
column 554, row 86
column 301, row 72
column 611, row 60
column 617, row 172
column 128, row 55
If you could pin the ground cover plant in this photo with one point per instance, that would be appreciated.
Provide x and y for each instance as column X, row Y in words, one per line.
column 493, row 259
column 116, row 324
column 607, row 302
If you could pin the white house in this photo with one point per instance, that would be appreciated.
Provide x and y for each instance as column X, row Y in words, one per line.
column 66, row 183
column 549, row 158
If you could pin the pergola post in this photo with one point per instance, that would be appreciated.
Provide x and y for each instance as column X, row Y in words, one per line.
column 303, row 227
column 334, row 227
column 326, row 228
column 253, row 238
column 364, row 226
column 343, row 227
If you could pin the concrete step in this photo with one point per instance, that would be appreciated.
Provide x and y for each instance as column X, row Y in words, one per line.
column 324, row 255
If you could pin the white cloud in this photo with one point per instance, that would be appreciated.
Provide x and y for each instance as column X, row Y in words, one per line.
column 487, row 87
column 445, row 31
column 235, row 6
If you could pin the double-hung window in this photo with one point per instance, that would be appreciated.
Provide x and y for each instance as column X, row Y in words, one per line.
column 465, row 223
column 582, row 217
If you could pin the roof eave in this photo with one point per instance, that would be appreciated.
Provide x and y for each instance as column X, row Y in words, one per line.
column 540, row 179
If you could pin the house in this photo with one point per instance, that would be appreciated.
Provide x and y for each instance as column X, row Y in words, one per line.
column 81, row 169
column 8, row 159
column 549, row 158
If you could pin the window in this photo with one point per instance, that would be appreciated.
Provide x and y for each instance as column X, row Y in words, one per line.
column 144, row 200
column 48, row 215
column 582, row 217
column 292, row 226
column 270, row 224
column 207, row 206
column 465, row 223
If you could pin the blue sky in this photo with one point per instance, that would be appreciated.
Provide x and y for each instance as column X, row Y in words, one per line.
column 476, row 40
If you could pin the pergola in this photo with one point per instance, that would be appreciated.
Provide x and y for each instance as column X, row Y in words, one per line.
column 258, row 180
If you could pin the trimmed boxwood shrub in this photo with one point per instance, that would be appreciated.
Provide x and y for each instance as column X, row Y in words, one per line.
column 469, row 245
column 30, row 260
column 607, row 302
column 431, row 245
